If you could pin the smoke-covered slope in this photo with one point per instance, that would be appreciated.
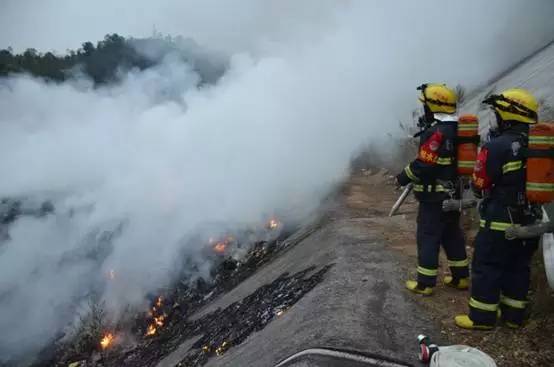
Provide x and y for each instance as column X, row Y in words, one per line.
column 536, row 74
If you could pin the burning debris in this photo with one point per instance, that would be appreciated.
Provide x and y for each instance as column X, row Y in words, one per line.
column 273, row 224
column 220, row 247
column 226, row 328
column 157, row 317
column 152, row 335
column 222, row 329
column 107, row 341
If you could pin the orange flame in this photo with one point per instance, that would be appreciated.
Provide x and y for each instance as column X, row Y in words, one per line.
column 273, row 223
column 220, row 247
column 158, row 320
column 111, row 274
column 107, row 340
column 221, row 349
column 150, row 330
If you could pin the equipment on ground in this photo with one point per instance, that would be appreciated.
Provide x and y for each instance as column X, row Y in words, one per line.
column 451, row 356
column 329, row 357
column 467, row 142
column 548, row 254
column 544, row 228
column 540, row 164
column 401, row 199
column 548, row 250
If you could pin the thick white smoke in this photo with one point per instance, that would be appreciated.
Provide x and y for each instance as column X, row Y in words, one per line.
column 304, row 90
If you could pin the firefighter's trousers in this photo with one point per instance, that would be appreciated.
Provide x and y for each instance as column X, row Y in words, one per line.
column 501, row 273
column 436, row 228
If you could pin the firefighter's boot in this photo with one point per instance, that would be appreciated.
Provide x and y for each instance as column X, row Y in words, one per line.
column 464, row 322
column 461, row 284
column 415, row 287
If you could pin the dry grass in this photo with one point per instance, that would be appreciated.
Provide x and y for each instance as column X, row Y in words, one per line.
column 88, row 331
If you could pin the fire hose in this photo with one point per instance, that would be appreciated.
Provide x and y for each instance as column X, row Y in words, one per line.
column 544, row 229
column 401, row 199
column 517, row 231
column 447, row 206
column 514, row 232
column 530, row 231
column 451, row 356
column 338, row 357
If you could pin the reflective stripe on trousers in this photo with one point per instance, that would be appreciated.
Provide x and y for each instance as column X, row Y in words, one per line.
column 428, row 272
column 514, row 303
column 458, row 263
column 483, row 306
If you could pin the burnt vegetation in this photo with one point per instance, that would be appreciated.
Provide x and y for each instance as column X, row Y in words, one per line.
column 146, row 338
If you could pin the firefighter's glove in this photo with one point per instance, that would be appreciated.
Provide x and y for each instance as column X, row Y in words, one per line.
column 396, row 183
column 450, row 205
column 478, row 193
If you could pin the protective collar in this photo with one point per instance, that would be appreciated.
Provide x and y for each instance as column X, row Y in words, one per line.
column 445, row 117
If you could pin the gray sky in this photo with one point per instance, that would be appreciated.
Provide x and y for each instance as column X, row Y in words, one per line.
column 62, row 24
column 246, row 24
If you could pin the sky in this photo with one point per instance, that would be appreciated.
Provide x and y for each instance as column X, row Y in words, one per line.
column 59, row 25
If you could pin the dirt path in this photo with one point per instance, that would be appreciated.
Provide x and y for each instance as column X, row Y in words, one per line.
column 369, row 195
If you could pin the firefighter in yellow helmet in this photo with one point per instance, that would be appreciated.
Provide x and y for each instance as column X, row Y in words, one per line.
column 500, row 268
column 435, row 179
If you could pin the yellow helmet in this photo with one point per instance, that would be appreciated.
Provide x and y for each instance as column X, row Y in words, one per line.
column 438, row 98
column 515, row 105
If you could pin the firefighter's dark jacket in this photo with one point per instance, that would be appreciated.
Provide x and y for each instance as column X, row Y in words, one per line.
column 435, row 163
column 499, row 176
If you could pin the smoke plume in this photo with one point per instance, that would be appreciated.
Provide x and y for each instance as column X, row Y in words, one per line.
column 307, row 83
